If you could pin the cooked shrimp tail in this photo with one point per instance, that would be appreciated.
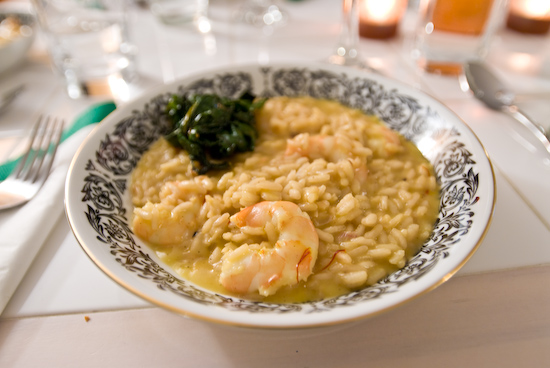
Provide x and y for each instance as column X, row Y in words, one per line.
column 266, row 269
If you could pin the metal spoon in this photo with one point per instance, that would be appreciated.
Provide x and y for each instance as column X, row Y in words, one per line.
column 488, row 88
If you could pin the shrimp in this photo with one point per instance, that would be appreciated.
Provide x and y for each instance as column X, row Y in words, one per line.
column 176, row 217
column 333, row 148
column 385, row 140
column 289, row 261
column 167, row 227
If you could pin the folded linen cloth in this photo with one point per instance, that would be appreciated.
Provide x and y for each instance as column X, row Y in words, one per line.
column 24, row 229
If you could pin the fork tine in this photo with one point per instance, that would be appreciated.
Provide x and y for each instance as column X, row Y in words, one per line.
column 28, row 151
column 38, row 153
column 50, row 149
column 35, row 165
column 44, row 138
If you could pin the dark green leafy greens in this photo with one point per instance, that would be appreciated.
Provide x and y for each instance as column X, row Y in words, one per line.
column 212, row 128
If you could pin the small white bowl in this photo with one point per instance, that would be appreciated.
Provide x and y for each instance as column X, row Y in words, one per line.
column 98, row 202
column 14, row 50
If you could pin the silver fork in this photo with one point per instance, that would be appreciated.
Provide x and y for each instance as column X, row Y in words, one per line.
column 35, row 164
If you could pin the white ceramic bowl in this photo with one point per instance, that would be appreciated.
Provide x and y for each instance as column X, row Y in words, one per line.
column 98, row 202
column 14, row 51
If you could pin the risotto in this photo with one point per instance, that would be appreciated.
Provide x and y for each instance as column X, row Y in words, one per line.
column 330, row 201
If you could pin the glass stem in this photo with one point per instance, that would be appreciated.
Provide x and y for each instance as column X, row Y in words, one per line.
column 350, row 30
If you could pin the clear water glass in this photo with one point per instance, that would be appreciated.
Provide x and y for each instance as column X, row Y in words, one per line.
column 347, row 50
column 88, row 43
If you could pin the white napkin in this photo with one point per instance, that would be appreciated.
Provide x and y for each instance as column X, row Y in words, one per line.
column 23, row 230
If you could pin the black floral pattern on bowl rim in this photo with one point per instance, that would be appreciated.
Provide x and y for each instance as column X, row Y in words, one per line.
column 105, row 184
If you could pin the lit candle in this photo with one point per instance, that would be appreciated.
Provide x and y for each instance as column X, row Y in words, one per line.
column 529, row 16
column 380, row 18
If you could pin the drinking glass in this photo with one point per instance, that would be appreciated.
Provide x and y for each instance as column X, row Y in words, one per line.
column 263, row 13
column 88, row 43
column 347, row 52
column 179, row 11
column 451, row 32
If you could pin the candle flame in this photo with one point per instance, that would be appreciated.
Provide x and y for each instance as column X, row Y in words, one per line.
column 380, row 10
column 532, row 8
column 381, row 13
